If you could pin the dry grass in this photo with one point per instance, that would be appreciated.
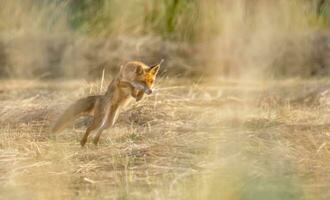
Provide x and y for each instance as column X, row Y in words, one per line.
column 229, row 140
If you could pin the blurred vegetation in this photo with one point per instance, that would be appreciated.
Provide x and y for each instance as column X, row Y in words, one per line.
column 173, row 19
column 181, row 20
column 56, row 38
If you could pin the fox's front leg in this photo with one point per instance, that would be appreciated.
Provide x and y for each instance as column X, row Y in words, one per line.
column 137, row 94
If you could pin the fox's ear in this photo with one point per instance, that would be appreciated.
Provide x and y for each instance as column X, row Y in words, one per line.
column 154, row 69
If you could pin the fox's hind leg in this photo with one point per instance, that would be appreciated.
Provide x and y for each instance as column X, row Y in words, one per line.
column 108, row 121
column 94, row 125
column 88, row 131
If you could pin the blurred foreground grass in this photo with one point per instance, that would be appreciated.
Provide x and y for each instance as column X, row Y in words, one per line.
column 226, row 140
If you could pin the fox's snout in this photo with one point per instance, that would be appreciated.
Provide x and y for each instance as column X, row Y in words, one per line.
column 148, row 91
column 141, row 86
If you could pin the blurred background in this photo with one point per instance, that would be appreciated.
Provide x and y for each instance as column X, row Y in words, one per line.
column 48, row 39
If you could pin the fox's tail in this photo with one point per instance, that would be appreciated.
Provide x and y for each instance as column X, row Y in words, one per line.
column 82, row 106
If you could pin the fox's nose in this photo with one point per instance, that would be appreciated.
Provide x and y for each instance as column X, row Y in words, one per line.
column 148, row 91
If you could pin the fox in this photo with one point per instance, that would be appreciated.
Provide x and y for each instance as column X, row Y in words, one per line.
column 134, row 79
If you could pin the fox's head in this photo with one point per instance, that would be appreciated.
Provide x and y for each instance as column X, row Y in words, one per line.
column 138, row 72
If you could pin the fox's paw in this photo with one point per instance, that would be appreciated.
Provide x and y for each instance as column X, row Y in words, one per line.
column 96, row 141
column 83, row 142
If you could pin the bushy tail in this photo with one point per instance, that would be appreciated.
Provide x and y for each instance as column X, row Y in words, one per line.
column 81, row 106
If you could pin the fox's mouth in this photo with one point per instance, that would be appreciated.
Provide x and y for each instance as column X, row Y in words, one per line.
column 148, row 91
column 142, row 86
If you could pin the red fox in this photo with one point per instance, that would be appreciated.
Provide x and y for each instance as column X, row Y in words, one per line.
column 134, row 79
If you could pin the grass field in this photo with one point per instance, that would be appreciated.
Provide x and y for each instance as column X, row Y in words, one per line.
column 198, row 136
column 228, row 139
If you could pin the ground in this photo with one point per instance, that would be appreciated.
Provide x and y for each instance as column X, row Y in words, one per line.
column 221, row 139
